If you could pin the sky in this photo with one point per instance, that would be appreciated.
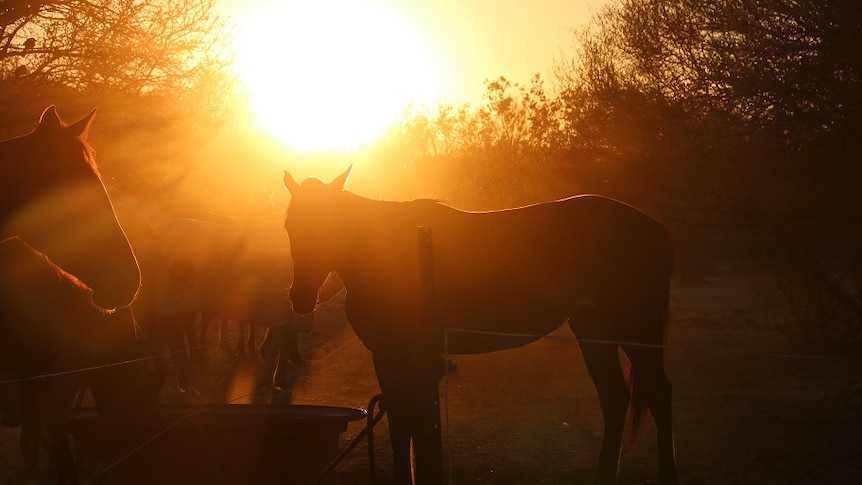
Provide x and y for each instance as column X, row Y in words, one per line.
column 319, row 58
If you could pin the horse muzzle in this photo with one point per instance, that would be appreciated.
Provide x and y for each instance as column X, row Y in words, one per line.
column 303, row 301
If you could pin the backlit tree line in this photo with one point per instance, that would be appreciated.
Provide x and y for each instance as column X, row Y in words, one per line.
column 733, row 120
column 737, row 121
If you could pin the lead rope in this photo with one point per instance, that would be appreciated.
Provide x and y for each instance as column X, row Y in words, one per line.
column 367, row 432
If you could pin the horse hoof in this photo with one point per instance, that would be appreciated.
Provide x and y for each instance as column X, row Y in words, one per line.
column 281, row 395
column 189, row 390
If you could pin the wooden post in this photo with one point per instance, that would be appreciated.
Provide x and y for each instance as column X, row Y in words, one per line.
column 426, row 271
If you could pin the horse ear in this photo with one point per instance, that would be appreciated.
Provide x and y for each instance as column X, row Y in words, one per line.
column 289, row 183
column 341, row 180
column 49, row 120
column 81, row 127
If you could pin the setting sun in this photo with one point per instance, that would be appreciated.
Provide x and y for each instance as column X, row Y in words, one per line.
column 333, row 74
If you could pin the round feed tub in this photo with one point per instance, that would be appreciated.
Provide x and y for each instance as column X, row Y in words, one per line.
column 234, row 444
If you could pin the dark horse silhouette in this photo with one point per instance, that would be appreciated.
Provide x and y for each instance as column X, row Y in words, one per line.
column 242, row 271
column 599, row 264
column 52, row 197
column 68, row 276
column 56, row 341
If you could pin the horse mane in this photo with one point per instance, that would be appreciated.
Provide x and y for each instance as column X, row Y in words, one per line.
column 90, row 157
column 88, row 154
column 42, row 273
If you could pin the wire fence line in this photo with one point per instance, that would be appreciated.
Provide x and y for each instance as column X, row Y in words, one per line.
column 448, row 330
column 114, row 364
column 187, row 417
column 674, row 348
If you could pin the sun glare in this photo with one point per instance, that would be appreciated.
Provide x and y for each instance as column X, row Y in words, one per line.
column 333, row 74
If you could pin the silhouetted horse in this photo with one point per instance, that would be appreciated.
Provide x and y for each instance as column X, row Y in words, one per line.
column 63, row 253
column 599, row 264
column 52, row 197
column 242, row 272
column 49, row 327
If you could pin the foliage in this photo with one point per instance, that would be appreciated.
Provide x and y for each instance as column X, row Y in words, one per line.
column 503, row 152
column 111, row 45
column 739, row 117
column 721, row 115
column 746, row 111
column 159, row 71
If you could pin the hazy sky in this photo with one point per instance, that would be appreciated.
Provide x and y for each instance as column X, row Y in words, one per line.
column 473, row 40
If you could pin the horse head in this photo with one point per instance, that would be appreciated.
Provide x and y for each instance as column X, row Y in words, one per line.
column 53, row 198
column 311, row 223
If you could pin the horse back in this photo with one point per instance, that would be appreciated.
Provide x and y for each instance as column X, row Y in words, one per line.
column 520, row 271
column 561, row 243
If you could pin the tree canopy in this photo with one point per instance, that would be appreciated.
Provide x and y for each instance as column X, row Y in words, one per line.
column 745, row 110
column 111, row 45
column 713, row 114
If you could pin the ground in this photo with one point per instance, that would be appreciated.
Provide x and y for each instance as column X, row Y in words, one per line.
column 751, row 405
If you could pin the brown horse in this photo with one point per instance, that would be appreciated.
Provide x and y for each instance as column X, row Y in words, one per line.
column 599, row 264
column 65, row 260
column 52, row 197
column 242, row 270
column 51, row 334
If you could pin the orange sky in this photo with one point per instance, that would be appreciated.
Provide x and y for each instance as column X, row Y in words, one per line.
column 479, row 39
column 330, row 74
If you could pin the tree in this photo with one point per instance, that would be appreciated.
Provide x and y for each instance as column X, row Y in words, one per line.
column 160, row 72
column 751, row 106
column 497, row 154
column 110, row 46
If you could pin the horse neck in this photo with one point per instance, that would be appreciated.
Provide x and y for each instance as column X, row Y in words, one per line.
column 13, row 191
column 107, row 263
column 363, row 220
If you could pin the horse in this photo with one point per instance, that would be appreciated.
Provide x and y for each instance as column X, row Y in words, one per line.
column 247, row 298
column 52, row 197
column 56, row 341
column 241, row 270
column 57, row 221
column 496, row 280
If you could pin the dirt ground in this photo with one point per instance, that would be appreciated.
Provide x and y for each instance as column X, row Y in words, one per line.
column 751, row 405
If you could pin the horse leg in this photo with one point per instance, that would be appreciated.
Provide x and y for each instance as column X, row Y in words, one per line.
column 395, row 400
column 205, row 326
column 34, row 441
column 223, row 337
column 58, row 429
column 269, row 351
column 240, row 341
column 290, row 348
column 603, row 364
column 411, row 396
column 196, row 340
column 252, row 337
column 427, row 440
column 48, row 402
column 650, row 381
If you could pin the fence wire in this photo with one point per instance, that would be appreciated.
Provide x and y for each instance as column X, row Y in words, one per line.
column 446, row 390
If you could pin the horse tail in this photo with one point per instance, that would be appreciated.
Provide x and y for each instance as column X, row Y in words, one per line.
column 647, row 372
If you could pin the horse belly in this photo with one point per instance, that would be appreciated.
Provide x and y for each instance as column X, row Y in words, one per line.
column 470, row 328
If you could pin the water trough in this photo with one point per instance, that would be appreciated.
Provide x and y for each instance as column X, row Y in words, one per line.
column 234, row 444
